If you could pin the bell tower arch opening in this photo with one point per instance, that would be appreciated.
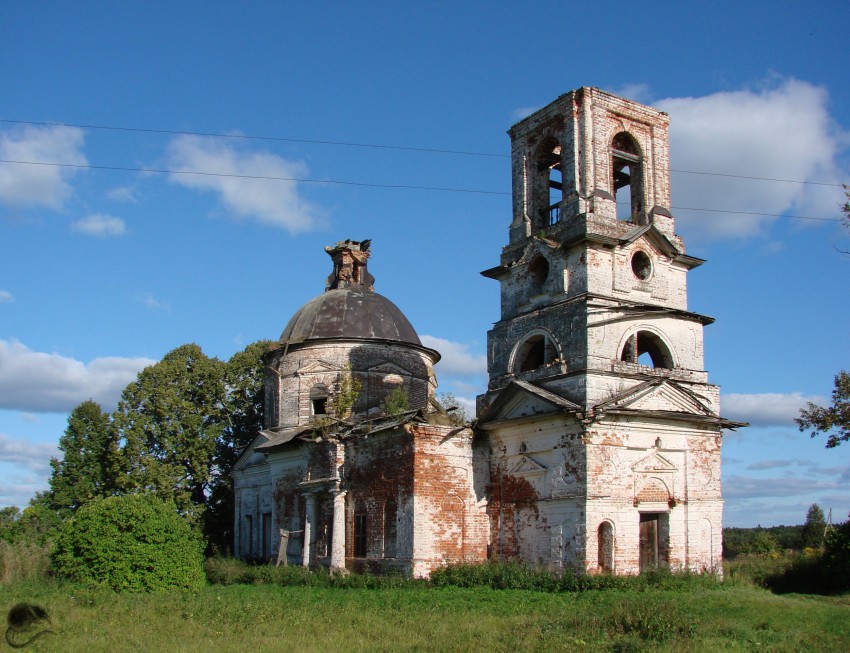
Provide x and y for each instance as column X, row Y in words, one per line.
column 627, row 177
column 551, row 182
column 647, row 348
column 535, row 351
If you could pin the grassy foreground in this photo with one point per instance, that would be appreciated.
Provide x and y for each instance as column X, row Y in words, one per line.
column 730, row 617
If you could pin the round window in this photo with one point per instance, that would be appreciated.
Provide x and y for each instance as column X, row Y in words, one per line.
column 538, row 269
column 641, row 265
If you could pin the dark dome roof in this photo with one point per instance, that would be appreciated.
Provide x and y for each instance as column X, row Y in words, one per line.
column 349, row 313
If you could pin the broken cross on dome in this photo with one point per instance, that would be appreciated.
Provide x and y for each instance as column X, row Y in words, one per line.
column 350, row 266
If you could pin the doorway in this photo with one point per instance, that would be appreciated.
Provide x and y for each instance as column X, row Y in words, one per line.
column 654, row 539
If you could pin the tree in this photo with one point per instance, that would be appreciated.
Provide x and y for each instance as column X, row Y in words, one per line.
column 833, row 421
column 837, row 555
column 169, row 422
column 396, row 402
column 813, row 529
column 81, row 474
column 243, row 420
column 135, row 542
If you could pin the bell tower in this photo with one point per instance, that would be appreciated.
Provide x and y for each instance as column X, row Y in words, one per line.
column 593, row 279
column 603, row 431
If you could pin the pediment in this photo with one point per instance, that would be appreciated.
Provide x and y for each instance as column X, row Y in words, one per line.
column 527, row 466
column 522, row 399
column 537, row 246
column 250, row 457
column 659, row 395
column 388, row 368
column 653, row 464
column 650, row 235
column 317, row 367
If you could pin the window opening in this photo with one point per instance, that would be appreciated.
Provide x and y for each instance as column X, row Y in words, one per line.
column 605, row 544
column 641, row 265
column 538, row 269
column 319, row 399
column 627, row 177
column 646, row 348
column 360, row 535
column 550, row 166
column 390, row 528
column 536, row 351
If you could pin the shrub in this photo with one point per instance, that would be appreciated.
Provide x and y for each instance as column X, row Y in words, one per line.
column 134, row 542
column 836, row 555
column 23, row 561
column 517, row 575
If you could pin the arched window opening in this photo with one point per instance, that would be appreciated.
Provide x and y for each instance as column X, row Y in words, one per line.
column 627, row 175
column 534, row 352
column 549, row 165
column 648, row 349
column 605, row 544
column 319, row 399
column 538, row 269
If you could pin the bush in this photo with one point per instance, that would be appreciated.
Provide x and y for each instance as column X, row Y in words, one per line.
column 134, row 542
column 836, row 555
column 515, row 575
column 23, row 561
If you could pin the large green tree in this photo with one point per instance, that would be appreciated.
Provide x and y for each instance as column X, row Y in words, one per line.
column 834, row 420
column 81, row 473
column 170, row 422
column 243, row 419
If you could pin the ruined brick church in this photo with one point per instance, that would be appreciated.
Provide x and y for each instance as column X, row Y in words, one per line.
column 597, row 443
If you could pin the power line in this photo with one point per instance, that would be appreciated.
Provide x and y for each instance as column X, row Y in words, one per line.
column 269, row 178
column 259, row 138
column 367, row 184
column 175, row 132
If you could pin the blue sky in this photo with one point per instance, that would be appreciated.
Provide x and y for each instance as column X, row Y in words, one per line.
column 110, row 261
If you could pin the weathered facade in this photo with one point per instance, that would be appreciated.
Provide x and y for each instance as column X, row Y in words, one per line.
column 605, row 433
column 338, row 479
column 597, row 443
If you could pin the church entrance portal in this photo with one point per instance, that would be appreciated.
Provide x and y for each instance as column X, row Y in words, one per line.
column 654, row 536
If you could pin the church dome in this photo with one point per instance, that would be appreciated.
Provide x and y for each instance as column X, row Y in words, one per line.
column 349, row 309
column 349, row 313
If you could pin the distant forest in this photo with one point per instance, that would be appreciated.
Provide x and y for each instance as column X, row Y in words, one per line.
column 761, row 540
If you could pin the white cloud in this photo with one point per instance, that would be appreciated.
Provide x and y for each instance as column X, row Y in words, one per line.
column 6, row 296
column 637, row 92
column 41, row 382
column 17, row 490
column 152, row 302
column 746, row 487
column 23, row 185
column 766, row 409
column 456, row 359
column 34, row 456
column 781, row 131
column 100, row 225
column 523, row 112
column 269, row 201
column 123, row 194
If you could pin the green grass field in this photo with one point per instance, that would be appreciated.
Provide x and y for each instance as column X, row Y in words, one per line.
column 732, row 616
